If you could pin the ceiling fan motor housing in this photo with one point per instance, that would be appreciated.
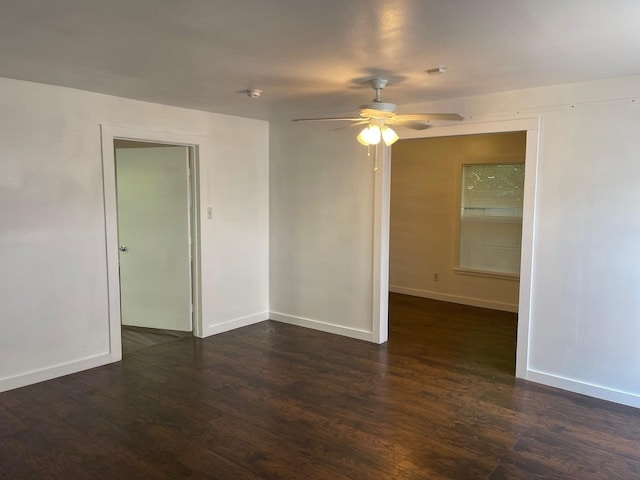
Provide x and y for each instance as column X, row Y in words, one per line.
column 378, row 110
column 381, row 114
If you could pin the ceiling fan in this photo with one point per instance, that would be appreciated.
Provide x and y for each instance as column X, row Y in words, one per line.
column 379, row 116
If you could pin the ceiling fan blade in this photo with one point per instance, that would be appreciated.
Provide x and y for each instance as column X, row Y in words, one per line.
column 328, row 119
column 430, row 116
column 412, row 124
column 355, row 124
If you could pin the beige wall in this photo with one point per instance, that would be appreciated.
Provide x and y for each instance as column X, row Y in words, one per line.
column 425, row 192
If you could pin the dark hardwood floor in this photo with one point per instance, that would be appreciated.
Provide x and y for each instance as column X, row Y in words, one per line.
column 137, row 338
column 274, row 401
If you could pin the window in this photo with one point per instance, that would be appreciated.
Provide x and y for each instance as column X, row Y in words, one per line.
column 491, row 218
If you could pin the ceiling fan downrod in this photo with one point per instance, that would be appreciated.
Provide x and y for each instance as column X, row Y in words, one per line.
column 378, row 84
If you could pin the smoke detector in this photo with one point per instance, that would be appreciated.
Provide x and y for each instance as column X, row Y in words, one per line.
column 253, row 92
column 437, row 70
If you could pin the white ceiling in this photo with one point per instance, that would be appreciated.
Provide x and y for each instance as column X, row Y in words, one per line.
column 313, row 57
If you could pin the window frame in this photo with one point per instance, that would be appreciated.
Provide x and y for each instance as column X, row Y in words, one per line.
column 500, row 160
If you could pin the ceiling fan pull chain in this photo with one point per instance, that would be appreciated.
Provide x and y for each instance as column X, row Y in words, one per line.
column 375, row 157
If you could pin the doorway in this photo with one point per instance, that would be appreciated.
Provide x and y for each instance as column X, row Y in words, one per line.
column 456, row 218
column 382, row 185
column 153, row 198
column 152, row 236
column 455, row 236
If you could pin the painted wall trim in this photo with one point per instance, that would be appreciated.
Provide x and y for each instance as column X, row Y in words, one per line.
column 235, row 323
column 54, row 371
column 583, row 388
column 324, row 326
column 446, row 297
column 381, row 231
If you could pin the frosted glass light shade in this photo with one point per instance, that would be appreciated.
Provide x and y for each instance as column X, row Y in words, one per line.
column 389, row 136
column 369, row 135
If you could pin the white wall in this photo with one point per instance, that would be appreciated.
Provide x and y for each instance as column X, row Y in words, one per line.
column 586, row 273
column 321, row 229
column 53, row 285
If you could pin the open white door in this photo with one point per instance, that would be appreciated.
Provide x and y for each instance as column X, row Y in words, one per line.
column 153, row 234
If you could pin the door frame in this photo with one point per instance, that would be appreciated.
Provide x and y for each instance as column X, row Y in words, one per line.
column 382, row 203
column 196, row 147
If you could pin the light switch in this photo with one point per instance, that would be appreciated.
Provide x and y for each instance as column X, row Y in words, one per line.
column 209, row 213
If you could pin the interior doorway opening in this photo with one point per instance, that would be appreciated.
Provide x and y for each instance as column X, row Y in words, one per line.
column 382, row 200
column 456, row 218
column 152, row 233
column 154, row 242
column 456, row 231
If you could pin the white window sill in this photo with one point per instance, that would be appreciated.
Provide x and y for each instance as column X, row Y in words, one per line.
column 484, row 273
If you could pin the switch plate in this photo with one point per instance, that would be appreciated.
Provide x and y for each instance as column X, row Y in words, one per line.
column 209, row 213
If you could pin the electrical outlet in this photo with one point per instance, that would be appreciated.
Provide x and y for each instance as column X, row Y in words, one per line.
column 436, row 276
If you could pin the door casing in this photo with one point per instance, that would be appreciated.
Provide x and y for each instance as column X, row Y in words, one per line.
column 197, row 148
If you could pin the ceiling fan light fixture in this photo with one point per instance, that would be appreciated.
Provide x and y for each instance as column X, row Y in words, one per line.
column 377, row 115
column 369, row 135
column 389, row 136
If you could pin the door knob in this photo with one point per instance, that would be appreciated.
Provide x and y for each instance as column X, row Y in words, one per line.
column 123, row 248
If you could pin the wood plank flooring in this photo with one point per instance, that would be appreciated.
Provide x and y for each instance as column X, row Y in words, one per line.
column 137, row 338
column 274, row 401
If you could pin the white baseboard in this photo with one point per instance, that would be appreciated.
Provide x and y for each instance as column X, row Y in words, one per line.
column 235, row 323
column 445, row 297
column 322, row 326
column 60, row 370
column 591, row 390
